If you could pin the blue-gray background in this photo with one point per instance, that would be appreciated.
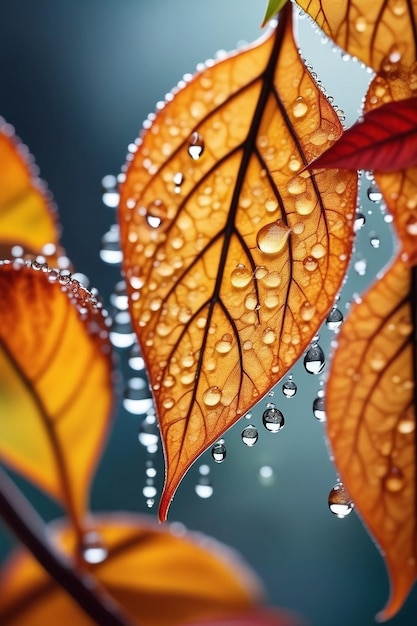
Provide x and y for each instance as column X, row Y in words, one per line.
column 76, row 80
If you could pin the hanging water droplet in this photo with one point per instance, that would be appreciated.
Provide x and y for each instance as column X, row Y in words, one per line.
column 340, row 503
column 93, row 548
column 204, row 487
column 314, row 359
column 110, row 246
column 109, row 182
column 272, row 238
column 135, row 359
column 149, row 490
column 218, row 451
column 150, row 469
column 150, row 502
column 137, row 398
column 119, row 296
column 195, row 146
column 289, row 388
column 273, row 420
column 111, row 198
column 319, row 410
column 359, row 223
column 360, row 266
column 374, row 194
column 249, row 435
column 374, row 240
column 266, row 475
column 334, row 319
column 148, row 432
column 121, row 334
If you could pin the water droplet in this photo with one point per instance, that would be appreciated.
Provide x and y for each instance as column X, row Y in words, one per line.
column 373, row 193
column 93, row 548
column 411, row 225
column 135, row 359
column 224, row 345
column 334, row 319
column 266, row 475
column 240, row 277
column 289, row 388
column 307, row 311
column 121, row 334
column 272, row 238
column 360, row 266
column 374, row 240
column 314, row 359
column 149, row 491
column 394, row 480
column 340, row 503
column 148, row 432
column 204, row 487
column 304, row 205
column 359, row 223
column 310, row 263
column 268, row 336
column 178, row 180
column 110, row 246
column 212, row 396
column 119, row 296
column 195, row 146
column 273, row 420
column 360, row 24
column 318, row 251
column 249, row 435
column 156, row 213
column 299, row 107
column 319, row 410
column 218, row 451
column 137, row 398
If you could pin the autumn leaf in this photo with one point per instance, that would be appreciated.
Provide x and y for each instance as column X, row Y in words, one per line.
column 27, row 214
column 385, row 139
column 160, row 575
column 370, row 401
column 232, row 256
column 55, row 385
column 375, row 31
column 274, row 6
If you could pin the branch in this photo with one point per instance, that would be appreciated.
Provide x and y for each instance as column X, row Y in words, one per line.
column 30, row 529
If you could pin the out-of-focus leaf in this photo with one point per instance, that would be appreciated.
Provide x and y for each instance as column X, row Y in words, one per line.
column 232, row 255
column 272, row 9
column 384, row 140
column 160, row 576
column 398, row 188
column 55, row 383
column 27, row 213
column 371, row 420
column 257, row 617
column 378, row 32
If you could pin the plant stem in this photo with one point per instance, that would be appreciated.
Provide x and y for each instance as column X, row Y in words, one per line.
column 30, row 529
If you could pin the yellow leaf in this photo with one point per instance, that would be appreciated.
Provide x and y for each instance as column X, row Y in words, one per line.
column 378, row 32
column 370, row 410
column 27, row 214
column 55, row 381
column 233, row 255
column 159, row 576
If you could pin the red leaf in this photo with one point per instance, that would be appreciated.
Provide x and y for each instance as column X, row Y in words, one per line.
column 386, row 140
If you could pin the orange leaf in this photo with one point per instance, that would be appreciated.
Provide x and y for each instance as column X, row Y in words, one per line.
column 378, row 32
column 27, row 214
column 371, row 420
column 55, row 386
column 159, row 576
column 232, row 256
column 399, row 189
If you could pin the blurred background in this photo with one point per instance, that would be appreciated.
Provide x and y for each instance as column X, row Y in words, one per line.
column 76, row 80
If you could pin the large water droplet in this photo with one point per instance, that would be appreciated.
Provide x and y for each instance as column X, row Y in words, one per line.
column 195, row 146
column 204, row 487
column 249, row 435
column 218, row 451
column 334, row 319
column 374, row 194
column 314, row 359
column 137, row 398
column 310, row 263
column 240, row 277
column 273, row 420
column 212, row 396
column 299, row 107
column 340, row 503
column 272, row 238
column 93, row 548
column 110, row 246
column 289, row 388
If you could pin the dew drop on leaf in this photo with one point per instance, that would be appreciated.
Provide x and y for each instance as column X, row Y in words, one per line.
column 314, row 359
column 218, row 451
column 273, row 420
column 272, row 238
column 195, row 146
column 334, row 319
column 240, row 277
column 249, row 435
column 394, row 481
column 212, row 396
column 340, row 503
